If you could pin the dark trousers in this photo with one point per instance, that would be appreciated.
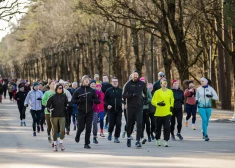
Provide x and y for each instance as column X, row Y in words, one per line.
column 5, row 92
column 115, row 119
column 42, row 118
column 178, row 115
column 125, row 128
column 10, row 95
column 152, row 120
column 36, row 118
column 85, row 119
column 164, row 122
column 191, row 111
column 68, row 118
column 22, row 110
column 134, row 114
column 145, row 122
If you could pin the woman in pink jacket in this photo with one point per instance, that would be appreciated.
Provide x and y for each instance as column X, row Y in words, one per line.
column 101, row 109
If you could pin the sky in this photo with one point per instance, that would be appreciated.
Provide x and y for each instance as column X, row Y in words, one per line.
column 5, row 26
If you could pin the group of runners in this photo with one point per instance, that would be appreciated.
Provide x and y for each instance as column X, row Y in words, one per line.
column 151, row 108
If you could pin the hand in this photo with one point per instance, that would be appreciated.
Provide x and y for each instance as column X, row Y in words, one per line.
column 109, row 107
column 39, row 98
column 171, row 109
column 26, row 105
column 51, row 110
column 191, row 90
column 135, row 95
column 161, row 103
column 145, row 101
column 209, row 96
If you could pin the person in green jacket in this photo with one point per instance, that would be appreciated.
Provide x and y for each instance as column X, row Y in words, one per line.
column 163, row 99
column 45, row 98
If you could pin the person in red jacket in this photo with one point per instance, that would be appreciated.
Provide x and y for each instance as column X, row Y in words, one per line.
column 101, row 109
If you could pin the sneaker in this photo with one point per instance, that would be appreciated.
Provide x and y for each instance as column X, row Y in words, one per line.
column 106, row 127
column 55, row 148
column 158, row 143
column 102, row 134
column 61, row 147
column 116, row 140
column 110, row 137
column 152, row 136
column 166, row 144
column 38, row 128
column 137, row 144
column 86, row 146
column 193, row 127
column 144, row 141
column 74, row 128
column 58, row 135
column 49, row 139
column 95, row 140
column 186, row 124
column 67, row 132
column 149, row 139
column 24, row 124
column 128, row 142
column 34, row 133
column 77, row 138
column 173, row 137
column 207, row 138
column 179, row 136
column 124, row 134
column 21, row 124
column 42, row 128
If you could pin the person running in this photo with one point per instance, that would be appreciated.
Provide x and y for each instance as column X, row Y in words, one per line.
column 146, row 114
column 177, row 112
column 57, row 106
column 101, row 109
column 84, row 97
column 157, row 84
column 42, row 118
column 113, row 101
column 105, row 86
column 5, row 88
column 1, row 91
column 191, row 106
column 20, row 98
column 133, row 94
column 45, row 98
column 95, row 112
column 10, row 89
column 34, row 98
column 163, row 100
column 204, row 95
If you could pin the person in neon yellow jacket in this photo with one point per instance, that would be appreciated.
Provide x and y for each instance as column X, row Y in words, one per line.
column 163, row 99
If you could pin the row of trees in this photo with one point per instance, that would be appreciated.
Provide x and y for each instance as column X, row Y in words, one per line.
column 67, row 38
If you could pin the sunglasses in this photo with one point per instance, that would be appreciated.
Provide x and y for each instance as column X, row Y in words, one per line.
column 60, row 88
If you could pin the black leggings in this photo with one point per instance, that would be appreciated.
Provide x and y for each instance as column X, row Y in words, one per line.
column 10, row 95
column 125, row 128
column 152, row 119
column 22, row 109
column 145, row 122
column 178, row 114
column 36, row 115
column 164, row 122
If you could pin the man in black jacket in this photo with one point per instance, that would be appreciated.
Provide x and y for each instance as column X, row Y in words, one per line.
column 84, row 97
column 133, row 93
column 113, row 102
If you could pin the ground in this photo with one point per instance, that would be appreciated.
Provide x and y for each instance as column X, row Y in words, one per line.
column 18, row 148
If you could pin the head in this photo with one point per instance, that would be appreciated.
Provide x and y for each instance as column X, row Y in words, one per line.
column 75, row 85
column 93, row 84
column 59, row 88
column 135, row 76
column 175, row 84
column 105, row 79
column 85, row 80
column 115, row 82
column 21, row 87
column 161, row 75
column 163, row 83
column 150, row 86
column 35, row 86
column 62, row 82
column 204, row 81
column 96, row 77
column 52, row 85
column 191, row 85
column 66, row 85
column 98, row 87
column 41, row 86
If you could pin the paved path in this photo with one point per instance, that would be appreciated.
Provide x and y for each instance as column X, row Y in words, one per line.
column 18, row 148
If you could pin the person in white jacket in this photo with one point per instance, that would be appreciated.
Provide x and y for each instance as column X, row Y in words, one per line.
column 204, row 95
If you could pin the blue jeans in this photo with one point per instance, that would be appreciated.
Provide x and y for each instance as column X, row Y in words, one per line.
column 101, row 115
column 205, row 114
column 191, row 111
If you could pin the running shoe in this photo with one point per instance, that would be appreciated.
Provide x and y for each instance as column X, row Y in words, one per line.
column 38, row 128
column 179, row 136
column 86, row 146
column 58, row 135
column 34, row 133
column 67, row 132
column 55, row 148
column 137, row 144
column 144, row 141
column 21, row 124
column 158, row 143
column 152, row 136
column 49, row 139
column 62, row 147
column 149, row 139
column 95, row 140
column 166, row 144
column 102, row 134
column 186, row 124
column 116, row 140
column 124, row 134
column 42, row 128
column 24, row 124
column 173, row 137
column 193, row 127
column 128, row 142
column 77, row 138
column 207, row 138
column 110, row 137
column 74, row 128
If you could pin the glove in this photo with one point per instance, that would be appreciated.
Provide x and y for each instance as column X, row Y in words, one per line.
column 145, row 101
column 135, row 95
column 161, row 104
column 26, row 105
column 39, row 98
column 171, row 109
column 209, row 96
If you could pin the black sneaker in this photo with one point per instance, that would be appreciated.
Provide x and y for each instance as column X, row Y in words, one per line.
column 149, row 139
column 173, row 137
column 137, row 144
column 42, row 128
column 86, row 146
column 179, row 136
column 38, row 128
column 95, row 140
column 207, row 138
column 128, row 142
column 77, row 138
column 144, row 141
column 152, row 136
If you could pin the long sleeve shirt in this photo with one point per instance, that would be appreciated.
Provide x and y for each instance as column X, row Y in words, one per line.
column 31, row 99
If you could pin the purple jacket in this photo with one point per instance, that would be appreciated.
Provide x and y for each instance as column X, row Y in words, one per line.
column 95, row 106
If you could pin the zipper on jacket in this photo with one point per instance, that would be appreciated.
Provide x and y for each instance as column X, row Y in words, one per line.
column 86, row 99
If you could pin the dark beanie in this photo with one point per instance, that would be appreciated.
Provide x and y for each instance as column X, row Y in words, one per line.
column 92, row 81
